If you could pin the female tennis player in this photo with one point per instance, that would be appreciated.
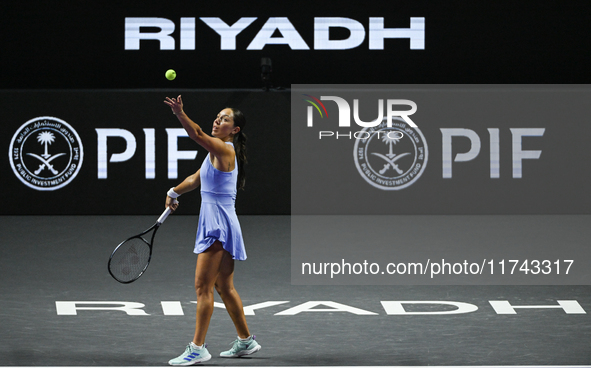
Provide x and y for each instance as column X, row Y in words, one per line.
column 219, row 237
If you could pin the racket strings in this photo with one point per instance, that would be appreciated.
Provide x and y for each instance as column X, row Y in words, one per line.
column 130, row 259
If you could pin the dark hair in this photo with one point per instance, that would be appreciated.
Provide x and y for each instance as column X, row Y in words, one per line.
column 240, row 146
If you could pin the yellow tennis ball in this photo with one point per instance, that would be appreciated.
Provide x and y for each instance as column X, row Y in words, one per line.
column 170, row 74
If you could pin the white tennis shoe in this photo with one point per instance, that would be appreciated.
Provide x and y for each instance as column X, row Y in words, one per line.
column 240, row 348
column 192, row 355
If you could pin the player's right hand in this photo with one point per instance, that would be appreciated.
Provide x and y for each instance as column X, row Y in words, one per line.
column 172, row 203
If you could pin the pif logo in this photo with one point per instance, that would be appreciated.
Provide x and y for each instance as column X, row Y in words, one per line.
column 46, row 153
column 391, row 157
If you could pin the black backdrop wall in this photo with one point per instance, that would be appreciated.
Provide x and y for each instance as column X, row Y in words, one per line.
column 90, row 65
column 82, row 44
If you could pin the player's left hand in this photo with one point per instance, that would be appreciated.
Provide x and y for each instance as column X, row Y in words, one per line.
column 176, row 104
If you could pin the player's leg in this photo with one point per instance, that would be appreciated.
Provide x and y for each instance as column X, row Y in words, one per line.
column 225, row 288
column 245, row 343
column 206, row 271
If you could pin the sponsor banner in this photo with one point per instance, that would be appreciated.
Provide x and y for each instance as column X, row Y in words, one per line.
column 363, row 156
column 256, row 44
column 118, row 152
column 474, row 150
column 46, row 131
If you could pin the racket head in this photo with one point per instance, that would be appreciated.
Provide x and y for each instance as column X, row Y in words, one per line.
column 130, row 259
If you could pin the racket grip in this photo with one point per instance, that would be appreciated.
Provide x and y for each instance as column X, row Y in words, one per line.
column 164, row 215
column 166, row 212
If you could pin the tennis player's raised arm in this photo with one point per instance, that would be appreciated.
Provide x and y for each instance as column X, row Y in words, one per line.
column 211, row 144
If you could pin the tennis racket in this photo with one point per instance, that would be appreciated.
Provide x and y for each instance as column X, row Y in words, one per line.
column 131, row 258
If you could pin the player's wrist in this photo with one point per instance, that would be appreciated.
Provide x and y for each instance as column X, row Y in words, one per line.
column 172, row 194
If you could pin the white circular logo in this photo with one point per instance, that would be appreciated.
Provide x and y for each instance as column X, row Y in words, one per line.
column 391, row 158
column 46, row 153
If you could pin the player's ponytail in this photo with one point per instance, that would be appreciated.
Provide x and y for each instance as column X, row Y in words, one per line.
column 240, row 146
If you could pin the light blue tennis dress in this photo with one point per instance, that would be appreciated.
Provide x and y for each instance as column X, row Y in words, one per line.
column 217, row 217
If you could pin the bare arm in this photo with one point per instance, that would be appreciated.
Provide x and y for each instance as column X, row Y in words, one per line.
column 215, row 146
column 192, row 182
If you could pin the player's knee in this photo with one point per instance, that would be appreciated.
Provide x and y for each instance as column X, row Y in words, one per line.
column 223, row 288
column 218, row 288
column 204, row 293
column 203, row 287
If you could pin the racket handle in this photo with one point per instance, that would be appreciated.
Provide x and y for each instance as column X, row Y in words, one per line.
column 164, row 215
